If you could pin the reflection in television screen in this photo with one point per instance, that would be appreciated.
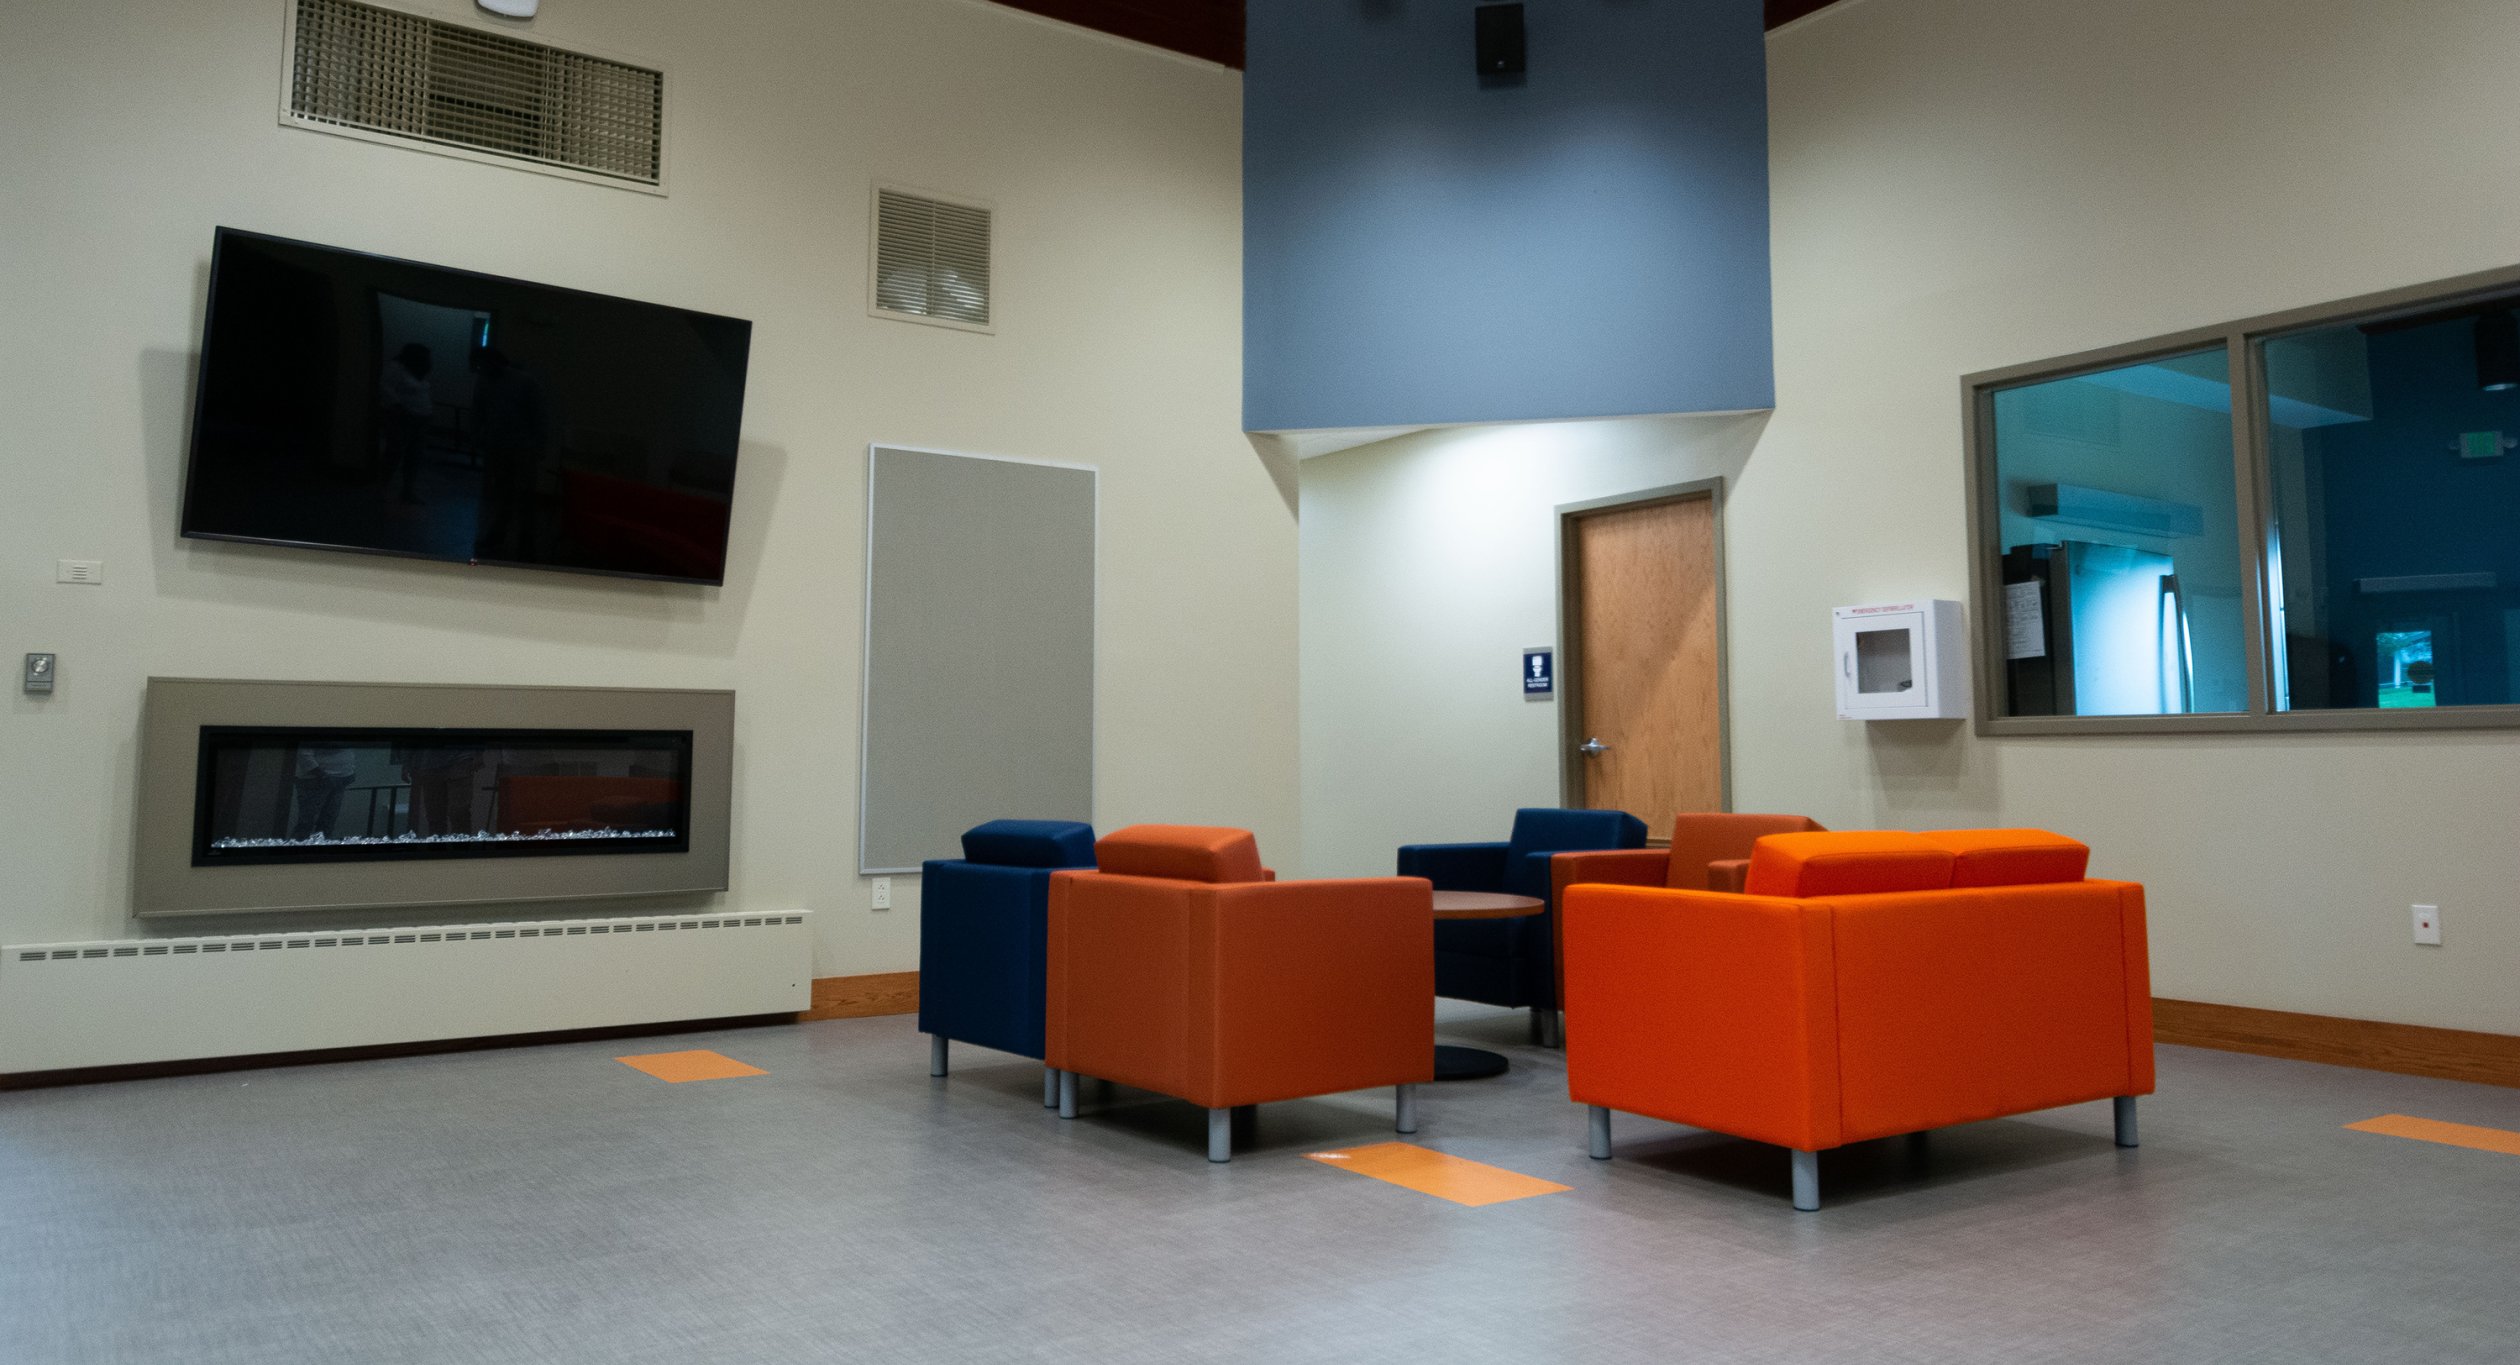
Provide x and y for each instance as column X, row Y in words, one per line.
column 356, row 402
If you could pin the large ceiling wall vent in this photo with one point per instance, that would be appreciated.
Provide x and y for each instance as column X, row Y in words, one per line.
column 931, row 260
column 404, row 78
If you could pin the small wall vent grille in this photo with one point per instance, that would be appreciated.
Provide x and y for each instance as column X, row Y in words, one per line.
column 931, row 260
column 380, row 71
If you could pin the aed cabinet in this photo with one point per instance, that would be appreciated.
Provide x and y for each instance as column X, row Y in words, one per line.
column 1902, row 661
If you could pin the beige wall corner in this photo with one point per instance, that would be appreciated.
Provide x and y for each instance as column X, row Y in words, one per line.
column 1280, row 456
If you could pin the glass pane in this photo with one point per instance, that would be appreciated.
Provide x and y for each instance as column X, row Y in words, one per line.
column 284, row 795
column 2120, row 542
column 2395, row 573
column 1885, row 661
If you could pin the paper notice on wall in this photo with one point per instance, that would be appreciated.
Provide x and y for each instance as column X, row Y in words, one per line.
column 2025, row 622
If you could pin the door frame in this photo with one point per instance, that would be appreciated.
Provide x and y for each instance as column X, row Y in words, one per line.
column 1570, row 631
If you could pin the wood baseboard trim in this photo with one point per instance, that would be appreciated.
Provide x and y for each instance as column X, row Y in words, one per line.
column 145, row 1071
column 2407, row 1049
column 863, row 997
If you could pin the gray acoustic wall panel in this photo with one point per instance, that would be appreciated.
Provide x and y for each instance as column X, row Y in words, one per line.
column 979, row 650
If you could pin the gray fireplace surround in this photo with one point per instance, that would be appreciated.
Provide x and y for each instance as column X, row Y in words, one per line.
column 457, row 795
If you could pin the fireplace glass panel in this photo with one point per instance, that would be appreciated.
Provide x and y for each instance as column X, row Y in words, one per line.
column 288, row 795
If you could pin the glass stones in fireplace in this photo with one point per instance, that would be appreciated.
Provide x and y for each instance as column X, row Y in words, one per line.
column 271, row 794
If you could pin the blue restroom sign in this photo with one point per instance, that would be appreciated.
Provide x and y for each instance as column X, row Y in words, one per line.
column 1539, row 672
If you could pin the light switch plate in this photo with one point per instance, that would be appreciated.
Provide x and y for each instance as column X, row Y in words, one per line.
column 39, row 673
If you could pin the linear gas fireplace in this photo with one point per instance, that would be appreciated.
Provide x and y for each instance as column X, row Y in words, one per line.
column 280, row 796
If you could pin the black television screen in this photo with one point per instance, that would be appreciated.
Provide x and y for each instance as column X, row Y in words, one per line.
column 354, row 402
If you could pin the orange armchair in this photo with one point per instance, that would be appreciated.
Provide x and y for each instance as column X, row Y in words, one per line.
column 1177, row 968
column 1867, row 985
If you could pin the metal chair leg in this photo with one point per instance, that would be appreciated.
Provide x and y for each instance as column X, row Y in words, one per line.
column 1220, row 1135
column 1807, row 1181
column 1049, row 1087
column 1404, row 1108
column 2125, row 1107
column 936, row 1054
column 1600, row 1126
column 1067, row 1094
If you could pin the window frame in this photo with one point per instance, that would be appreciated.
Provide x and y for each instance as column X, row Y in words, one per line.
column 2244, row 343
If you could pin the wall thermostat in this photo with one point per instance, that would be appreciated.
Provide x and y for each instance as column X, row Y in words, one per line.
column 511, row 9
column 39, row 673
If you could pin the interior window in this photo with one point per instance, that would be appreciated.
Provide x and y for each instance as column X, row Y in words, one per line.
column 2394, row 480
column 2119, row 537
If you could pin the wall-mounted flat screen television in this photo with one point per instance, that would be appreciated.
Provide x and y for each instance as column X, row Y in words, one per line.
column 355, row 402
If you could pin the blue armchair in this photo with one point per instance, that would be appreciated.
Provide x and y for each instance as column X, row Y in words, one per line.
column 984, row 937
column 1512, row 962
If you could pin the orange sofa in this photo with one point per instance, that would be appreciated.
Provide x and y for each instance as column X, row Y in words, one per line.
column 1177, row 967
column 1864, row 985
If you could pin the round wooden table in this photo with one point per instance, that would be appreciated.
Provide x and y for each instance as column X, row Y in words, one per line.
column 1474, row 1063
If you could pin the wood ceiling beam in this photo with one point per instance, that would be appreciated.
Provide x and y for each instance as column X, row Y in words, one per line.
column 1211, row 30
column 1783, row 12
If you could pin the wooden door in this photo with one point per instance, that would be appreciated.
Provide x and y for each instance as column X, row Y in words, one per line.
column 1649, row 666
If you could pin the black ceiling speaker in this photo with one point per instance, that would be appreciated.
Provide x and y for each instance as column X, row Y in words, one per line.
column 1500, row 40
column 2498, row 351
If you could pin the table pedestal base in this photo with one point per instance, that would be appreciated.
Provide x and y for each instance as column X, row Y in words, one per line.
column 1466, row 1063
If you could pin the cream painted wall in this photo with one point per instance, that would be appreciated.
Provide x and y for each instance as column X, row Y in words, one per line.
column 133, row 129
column 1964, row 184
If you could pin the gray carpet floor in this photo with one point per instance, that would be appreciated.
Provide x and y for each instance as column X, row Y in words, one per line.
column 548, row 1204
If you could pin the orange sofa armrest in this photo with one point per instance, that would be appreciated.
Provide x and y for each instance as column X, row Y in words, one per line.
column 1607, row 867
column 1978, row 1002
column 1716, row 1011
column 2139, row 1012
column 1311, row 988
column 1121, row 951
column 1731, row 875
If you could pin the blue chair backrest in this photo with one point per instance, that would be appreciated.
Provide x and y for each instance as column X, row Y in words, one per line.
column 1030, row 843
column 1544, row 829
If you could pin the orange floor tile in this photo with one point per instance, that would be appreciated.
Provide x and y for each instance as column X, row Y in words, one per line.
column 2449, row 1134
column 1431, row 1172
column 690, row 1066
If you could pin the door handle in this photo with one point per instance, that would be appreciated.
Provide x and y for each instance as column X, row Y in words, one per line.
column 1592, row 748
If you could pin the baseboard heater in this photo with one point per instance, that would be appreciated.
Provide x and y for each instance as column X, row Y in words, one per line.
column 128, row 1002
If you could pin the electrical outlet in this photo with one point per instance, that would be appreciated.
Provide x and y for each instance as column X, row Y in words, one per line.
column 2428, row 925
column 883, row 893
column 89, row 571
